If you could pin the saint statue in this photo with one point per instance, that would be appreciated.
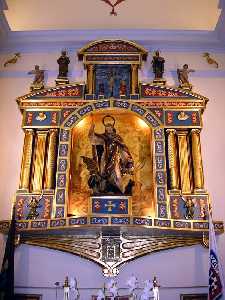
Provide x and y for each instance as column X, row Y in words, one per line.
column 183, row 76
column 38, row 82
column 110, row 162
column 158, row 65
column 123, row 87
column 63, row 62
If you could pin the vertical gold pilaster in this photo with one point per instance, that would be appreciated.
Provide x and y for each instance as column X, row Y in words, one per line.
column 90, row 78
column 39, row 160
column 51, row 159
column 134, row 79
column 173, row 159
column 26, row 159
column 197, row 160
column 184, row 161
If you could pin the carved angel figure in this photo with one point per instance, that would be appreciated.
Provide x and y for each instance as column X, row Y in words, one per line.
column 38, row 82
column 183, row 75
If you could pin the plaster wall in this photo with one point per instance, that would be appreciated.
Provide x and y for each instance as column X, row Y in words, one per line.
column 182, row 270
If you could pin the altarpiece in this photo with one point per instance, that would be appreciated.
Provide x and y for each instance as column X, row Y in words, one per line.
column 112, row 168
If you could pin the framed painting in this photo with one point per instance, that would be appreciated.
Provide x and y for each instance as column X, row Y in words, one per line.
column 28, row 297
column 193, row 296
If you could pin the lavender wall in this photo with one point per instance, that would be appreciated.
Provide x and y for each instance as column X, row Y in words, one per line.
column 180, row 270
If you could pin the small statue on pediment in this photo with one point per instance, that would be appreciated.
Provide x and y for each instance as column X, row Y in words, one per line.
column 158, row 68
column 183, row 75
column 63, row 62
column 158, row 65
column 38, row 82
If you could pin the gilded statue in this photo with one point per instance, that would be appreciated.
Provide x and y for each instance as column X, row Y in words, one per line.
column 38, row 82
column 183, row 76
column 110, row 162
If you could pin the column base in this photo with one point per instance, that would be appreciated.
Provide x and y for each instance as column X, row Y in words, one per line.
column 174, row 191
column 199, row 191
column 21, row 191
column 49, row 191
column 134, row 96
column 123, row 97
column 89, row 96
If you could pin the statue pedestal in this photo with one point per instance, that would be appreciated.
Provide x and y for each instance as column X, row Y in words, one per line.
column 159, row 81
column 116, row 205
column 185, row 86
column 61, row 81
column 134, row 96
column 89, row 96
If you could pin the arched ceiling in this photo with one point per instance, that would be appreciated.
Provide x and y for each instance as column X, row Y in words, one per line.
column 29, row 15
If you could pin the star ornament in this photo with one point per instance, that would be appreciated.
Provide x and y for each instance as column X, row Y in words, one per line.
column 113, row 4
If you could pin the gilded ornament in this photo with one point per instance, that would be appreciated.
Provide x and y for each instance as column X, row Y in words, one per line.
column 13, row 60
column 210, row 60
column 41, row 116
column 182, row 116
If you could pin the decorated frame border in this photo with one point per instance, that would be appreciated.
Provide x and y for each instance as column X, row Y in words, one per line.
column 63, row 160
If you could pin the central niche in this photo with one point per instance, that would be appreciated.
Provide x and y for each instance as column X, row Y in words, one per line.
column 128, row 171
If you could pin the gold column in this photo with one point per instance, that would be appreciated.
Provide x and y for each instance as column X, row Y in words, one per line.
column 90, row 78
column 173, row 162
column 197, row 160
column 26, row 159
column 134, row 79
column 51, row 159
column 184, row 161
column 39, row 160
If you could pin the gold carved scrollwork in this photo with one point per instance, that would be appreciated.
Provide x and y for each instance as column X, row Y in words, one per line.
column 39, row 160
column 92, row 247
column 51, row 159
column 26, row 159
column 185, row 172
column 197, row 160
column 173, row 162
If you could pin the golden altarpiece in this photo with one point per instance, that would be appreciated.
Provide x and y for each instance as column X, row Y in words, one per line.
column 112, row 199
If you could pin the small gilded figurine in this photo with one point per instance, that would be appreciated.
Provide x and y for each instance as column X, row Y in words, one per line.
column 38, row 82
column 33, row 206
column 158, row 65
column 190, row 208
column 183, row 77
column 63, row 62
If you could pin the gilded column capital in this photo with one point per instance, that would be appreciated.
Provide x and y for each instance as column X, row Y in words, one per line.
column 171, row 130
column 195, row 130
column 29, row 131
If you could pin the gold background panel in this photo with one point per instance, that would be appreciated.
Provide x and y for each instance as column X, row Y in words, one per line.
column 137, row 135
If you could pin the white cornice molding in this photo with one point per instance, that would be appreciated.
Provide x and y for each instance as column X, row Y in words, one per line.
column 53, row 40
